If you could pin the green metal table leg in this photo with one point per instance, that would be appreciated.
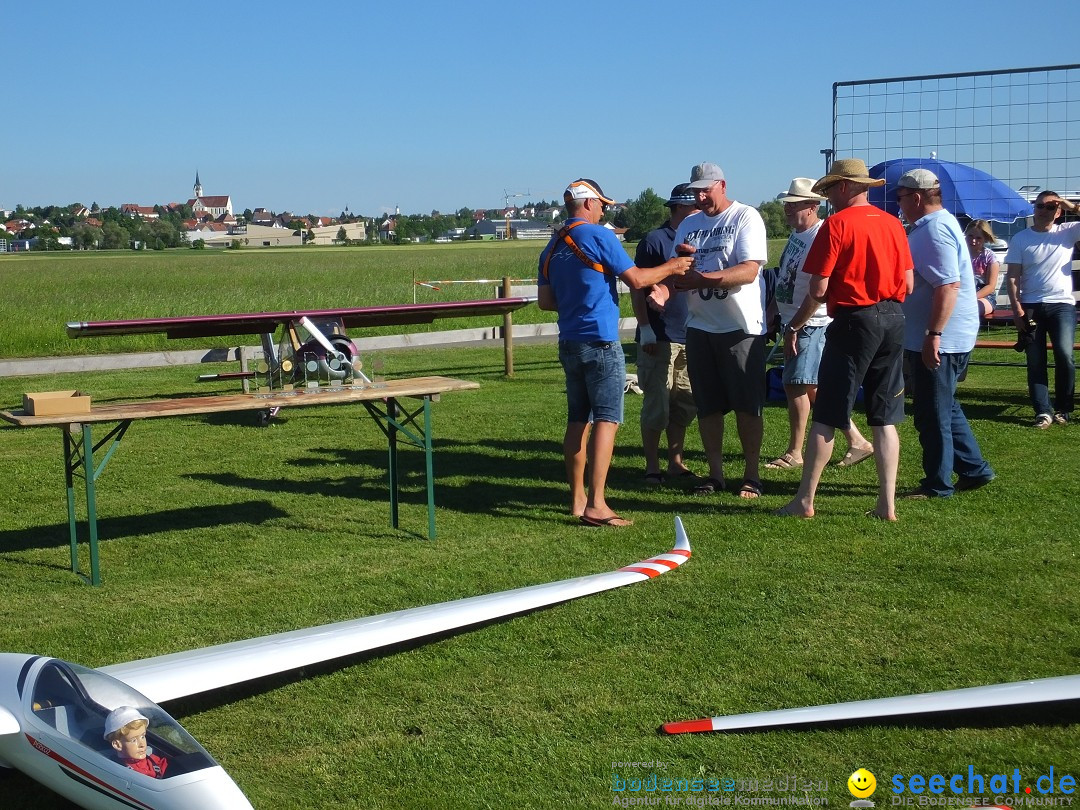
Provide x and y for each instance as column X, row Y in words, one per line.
column 81, row 455
column 70, row 452
column 429, row 470
column 391, row 438
column 90, row 474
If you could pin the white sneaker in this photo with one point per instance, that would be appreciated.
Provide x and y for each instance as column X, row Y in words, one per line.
column 1061, row 418
column 1043, row 421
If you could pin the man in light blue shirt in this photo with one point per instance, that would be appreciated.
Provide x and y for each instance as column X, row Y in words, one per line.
column 941, row 324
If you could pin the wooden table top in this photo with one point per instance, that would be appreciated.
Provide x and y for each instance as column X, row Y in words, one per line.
column 186, row 406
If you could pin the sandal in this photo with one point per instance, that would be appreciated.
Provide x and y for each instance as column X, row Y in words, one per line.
column 853, row 457
column 709, row 486
column 785, row 462
column 615, row 521
column 750, row 489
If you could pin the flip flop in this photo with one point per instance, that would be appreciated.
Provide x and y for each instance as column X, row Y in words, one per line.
column 709, row 486
column 608, row 521
column 654, row 479
column 853, row 457
column 785, row 462
column 750, row 489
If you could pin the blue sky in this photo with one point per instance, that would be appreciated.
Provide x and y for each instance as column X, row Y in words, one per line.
column 424, row 105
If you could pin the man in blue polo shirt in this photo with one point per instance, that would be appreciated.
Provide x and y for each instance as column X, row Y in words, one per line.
column 578, row 270
column 941, row 324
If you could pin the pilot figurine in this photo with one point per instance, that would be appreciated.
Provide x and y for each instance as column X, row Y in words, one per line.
column 125, row 729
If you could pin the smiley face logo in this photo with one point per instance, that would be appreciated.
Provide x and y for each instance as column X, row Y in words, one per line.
column 861, row 783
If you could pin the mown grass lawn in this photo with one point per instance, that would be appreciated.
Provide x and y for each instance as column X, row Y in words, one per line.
column 215, row 530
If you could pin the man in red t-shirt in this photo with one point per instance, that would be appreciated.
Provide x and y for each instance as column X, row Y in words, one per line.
column 861, row 269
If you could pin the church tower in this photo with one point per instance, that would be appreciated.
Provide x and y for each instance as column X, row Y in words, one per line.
column 198, row 185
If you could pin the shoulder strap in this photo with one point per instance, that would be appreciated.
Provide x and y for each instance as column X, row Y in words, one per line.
column 564, row 235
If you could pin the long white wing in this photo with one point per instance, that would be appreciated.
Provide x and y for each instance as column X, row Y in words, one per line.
column 1065, row 687
column 167, row 677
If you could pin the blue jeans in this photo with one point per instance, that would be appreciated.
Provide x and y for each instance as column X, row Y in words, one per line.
column 948, row 445
column 1059, row 322
column 595, row 380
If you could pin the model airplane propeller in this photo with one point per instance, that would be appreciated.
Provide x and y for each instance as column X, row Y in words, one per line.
column 52, row 713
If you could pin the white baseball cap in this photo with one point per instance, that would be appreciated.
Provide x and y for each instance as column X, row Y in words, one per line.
column 120, row 717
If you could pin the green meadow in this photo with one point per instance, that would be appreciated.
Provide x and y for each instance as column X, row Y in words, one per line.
column 213, row 530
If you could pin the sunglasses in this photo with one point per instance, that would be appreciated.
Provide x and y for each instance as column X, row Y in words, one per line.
column 1050, row 206
column 900, row 196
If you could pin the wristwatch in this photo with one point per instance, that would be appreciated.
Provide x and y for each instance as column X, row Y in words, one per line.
column 931, row 332
column 792, row 329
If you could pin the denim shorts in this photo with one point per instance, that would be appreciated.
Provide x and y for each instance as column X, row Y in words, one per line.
column 802, row 368
column 595, row 380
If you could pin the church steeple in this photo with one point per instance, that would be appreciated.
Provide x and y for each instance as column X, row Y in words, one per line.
column 198, row 185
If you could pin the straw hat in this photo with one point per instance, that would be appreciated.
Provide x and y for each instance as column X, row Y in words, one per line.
column 852, row 169
column 800, row 190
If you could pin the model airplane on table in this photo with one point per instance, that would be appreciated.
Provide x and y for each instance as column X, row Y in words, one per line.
column 52, row 713
column 327, row 354
column 1019, row 693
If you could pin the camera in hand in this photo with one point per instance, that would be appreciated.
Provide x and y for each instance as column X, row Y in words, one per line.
column 1026, row 336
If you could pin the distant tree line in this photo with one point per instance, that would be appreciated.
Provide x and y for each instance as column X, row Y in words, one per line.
column 118, row 231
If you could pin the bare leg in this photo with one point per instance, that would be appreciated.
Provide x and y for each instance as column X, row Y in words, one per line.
column 855, row 440
column 676, row 440
column 751, row 428
column 601, row 447
column 575, row 456
column 798, row 408
column 650, row 444
column 711, row 428
column 887, row 459
column 819, row 447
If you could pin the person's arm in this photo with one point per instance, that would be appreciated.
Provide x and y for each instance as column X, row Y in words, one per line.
column 641, row 313
column 725, row 279
column 1013, row 280
column 942, row 303
column 545, row 298
column 815, row 297
column 991, row 280
column 637, row 278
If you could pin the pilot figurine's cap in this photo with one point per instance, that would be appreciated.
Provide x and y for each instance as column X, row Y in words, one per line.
column 120, row 717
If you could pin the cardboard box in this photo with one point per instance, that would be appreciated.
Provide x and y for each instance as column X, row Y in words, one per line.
column 56, row 403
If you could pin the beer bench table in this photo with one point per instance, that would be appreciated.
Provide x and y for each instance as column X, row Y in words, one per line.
column 379, row 399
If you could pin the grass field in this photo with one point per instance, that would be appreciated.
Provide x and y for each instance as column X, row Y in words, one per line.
column 44, row 291
column 214, row 530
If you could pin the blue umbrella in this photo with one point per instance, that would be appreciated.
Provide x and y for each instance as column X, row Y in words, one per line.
column 964, row 189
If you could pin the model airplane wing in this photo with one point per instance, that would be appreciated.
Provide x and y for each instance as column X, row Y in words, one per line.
column 168, row 677
column 1066, row 687
column 262, row 322
column 53, row 713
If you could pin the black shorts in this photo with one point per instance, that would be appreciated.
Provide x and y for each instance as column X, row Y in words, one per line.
column 863, row 346
column 727, row 371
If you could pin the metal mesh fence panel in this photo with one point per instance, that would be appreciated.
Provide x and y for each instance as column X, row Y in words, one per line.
column 1022, row 126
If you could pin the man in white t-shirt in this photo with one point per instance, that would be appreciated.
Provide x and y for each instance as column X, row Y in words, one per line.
column 725, row 330
column 1039, row 263
column 803, row 347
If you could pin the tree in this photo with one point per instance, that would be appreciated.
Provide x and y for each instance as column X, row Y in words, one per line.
column 776, row 226
column 342, row 236
column 644, row 214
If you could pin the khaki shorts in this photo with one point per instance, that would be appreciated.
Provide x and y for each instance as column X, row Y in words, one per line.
column 666, row 384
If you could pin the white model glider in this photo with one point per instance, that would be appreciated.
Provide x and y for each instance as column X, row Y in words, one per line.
column 52, row 713
column 1045, row 690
